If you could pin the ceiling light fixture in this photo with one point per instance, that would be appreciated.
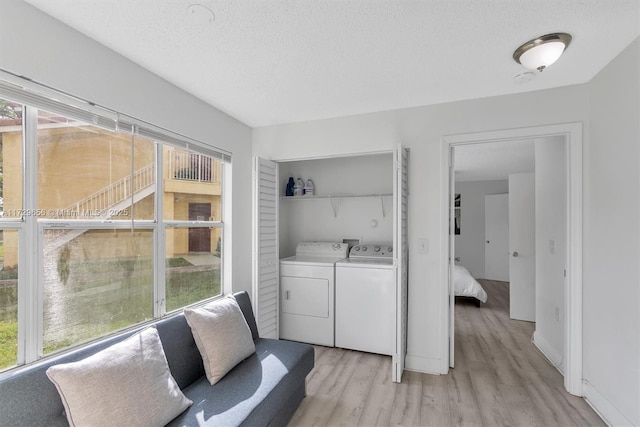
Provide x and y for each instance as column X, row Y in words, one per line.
column 538, row 54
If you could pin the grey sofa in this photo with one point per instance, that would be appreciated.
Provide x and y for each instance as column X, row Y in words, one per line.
column 264, row 389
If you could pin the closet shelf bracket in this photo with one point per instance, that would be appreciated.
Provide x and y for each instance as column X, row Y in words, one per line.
column 384, row 212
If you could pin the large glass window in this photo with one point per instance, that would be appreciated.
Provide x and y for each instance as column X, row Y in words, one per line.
column 10, row 211
column 194, row 181
column 85, row 172
column 192, row 276
column 10, row 159
column 192, row 211
column 114, row 225
column 95, row 282
column 8, row 298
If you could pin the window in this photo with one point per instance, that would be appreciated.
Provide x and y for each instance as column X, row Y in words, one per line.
column 10, row 209
column 95, row 282
column 114, row 223
column 8, row 298
column 194, row 182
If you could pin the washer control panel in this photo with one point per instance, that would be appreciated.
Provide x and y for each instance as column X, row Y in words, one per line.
column 374, row 250
column 322, row 249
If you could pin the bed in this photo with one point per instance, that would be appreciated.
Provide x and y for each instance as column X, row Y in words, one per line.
column 466, row 286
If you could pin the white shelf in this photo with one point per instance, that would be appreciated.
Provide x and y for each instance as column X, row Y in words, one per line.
column 334, row 199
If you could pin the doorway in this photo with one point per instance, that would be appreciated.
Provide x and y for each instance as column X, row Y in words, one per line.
column 199, row 238
column 572, row 134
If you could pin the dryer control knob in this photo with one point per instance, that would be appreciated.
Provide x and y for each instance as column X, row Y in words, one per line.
column 376, row 249
column 390, row 249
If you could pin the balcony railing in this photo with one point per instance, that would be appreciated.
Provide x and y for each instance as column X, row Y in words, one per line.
column 187, row 166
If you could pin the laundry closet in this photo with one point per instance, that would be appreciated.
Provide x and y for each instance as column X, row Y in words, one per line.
column 358, row 207
column 352, row 201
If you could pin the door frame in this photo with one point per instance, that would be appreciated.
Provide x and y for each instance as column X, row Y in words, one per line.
column 572, row 132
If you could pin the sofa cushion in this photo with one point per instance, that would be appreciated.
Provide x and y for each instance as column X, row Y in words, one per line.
column 244, row 302
column 183, row 356
column 254, row 391
column 128, row 383
column 222, row 336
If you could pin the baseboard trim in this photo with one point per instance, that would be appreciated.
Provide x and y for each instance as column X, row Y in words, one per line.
column 548, row 351
column 609, row 413
column 426, row 365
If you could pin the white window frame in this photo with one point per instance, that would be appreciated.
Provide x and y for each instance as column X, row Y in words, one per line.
column 30, row 228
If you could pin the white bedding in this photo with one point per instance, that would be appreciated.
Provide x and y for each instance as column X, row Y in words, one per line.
column 466, row 286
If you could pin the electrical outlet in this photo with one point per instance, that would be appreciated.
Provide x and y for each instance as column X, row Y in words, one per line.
column 552, row 247
column 557, row 314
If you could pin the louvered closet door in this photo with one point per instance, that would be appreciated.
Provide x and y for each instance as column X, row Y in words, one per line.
column 400, row 239
column 265, row 248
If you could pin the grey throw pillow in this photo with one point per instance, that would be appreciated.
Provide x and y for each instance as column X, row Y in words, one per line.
column 128, row 383
column 222, row 336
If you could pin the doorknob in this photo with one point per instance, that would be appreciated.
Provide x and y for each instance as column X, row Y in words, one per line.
column 515, row 254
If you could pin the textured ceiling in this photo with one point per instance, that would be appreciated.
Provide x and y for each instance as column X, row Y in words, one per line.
column 269, row 62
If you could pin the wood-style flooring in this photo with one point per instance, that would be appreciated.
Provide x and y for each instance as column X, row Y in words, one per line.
column 500, row 379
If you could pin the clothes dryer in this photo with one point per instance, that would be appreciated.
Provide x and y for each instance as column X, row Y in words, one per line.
column 307, row 292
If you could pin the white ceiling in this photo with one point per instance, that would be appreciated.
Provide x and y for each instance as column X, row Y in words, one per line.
column 493, row 160
column 269, row 62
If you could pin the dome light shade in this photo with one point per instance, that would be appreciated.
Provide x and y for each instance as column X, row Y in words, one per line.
column 538, row 54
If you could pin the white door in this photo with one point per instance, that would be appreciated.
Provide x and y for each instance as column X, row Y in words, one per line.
column 522, row 265
column 496, row 237
column 265, row 248
column 400, row 215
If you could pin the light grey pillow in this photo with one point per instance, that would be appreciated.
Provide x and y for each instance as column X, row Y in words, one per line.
column 222, row 336
column 128, row 383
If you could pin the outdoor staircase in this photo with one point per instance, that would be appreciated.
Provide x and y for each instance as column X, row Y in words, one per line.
column 105, row 204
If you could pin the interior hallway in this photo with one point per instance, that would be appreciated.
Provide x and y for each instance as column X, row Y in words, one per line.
column 500, row 379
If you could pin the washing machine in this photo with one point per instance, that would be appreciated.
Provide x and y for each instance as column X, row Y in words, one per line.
column 307, row 292
column 366, row 300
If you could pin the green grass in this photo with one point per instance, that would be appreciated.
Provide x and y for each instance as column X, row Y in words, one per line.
column 8, row 343
column 188, row 287
column 8, row 303
column 104, row 296
column 9, row 274
column 177, row 262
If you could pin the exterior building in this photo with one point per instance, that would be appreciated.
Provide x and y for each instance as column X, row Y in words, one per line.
column 94, row 169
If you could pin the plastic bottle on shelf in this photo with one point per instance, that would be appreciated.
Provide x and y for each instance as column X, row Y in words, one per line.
column 298, row 189
column 308, row 189
column 290, row 185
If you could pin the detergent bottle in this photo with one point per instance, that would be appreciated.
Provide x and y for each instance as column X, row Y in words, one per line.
column 308, row 189
column 298, row 189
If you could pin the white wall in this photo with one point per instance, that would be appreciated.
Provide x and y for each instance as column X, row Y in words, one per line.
column 609, row 107
column 420, row 129
column 314, row 219
column 38, row 47
column 611, row 240
column 470, row 243
column 550, row 236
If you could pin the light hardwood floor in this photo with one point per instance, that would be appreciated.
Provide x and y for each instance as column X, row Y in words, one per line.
column 500, row 379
